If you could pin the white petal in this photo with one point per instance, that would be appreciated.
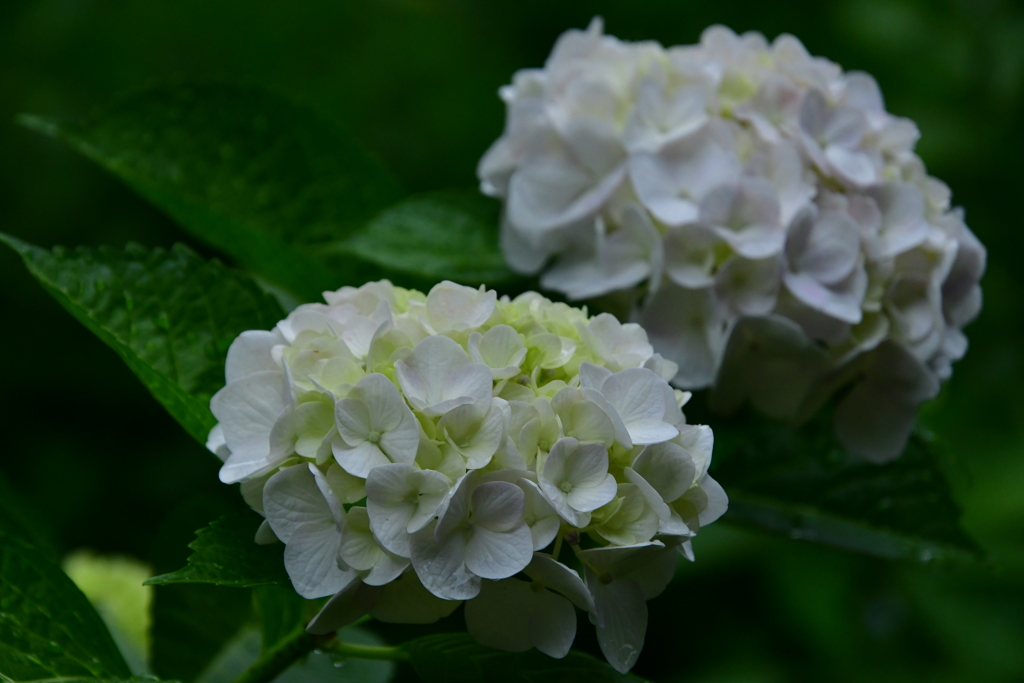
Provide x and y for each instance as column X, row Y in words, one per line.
column 454, row 511
column 672, row 182
column 423, row 372
column 359, row 549
column 494, row 555
column 406, row 601
column 669, row 522
column 388, row 567
column 668, row 467
column 215, row 443
column 750, row 286
column 639, row 400
column 556, row 576
column 542, row 519
column 501, row 349
column 247, row 410
column 554, row 192
column 586, row 465
column 689, row 328
column 400, row 499
column 499, row 616
column 875, row 418
column 552, row 624
column 291, row 498
column 353, row 420
column 747, row 215
column 346, row 488
column 251, row 353
column 593, row 376
column 455, row 307
column 772, row 362
column 432, row 488
column 476, row 432
column 842, row 302
column 621, row 560
column 311, row 558
column 498, row 506
column 856, row 168
column 346, row 606
column 265, row 534
column 440, row 565
column 718, row 501
column 690, row 255
column 522, row 256
column 825, row 247
column 359, row 460
column 622, row 620
column 586, row 422
column 383, row 402
column 903, row 222
column 472, row 381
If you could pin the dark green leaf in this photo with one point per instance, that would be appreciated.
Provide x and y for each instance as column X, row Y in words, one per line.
column 17, row 521
column 48, row 629
column 800, row 482
column 457, row 658
column 225, row 554
column 443, row 235
column 244, row 170
column 76, row 679
column 170, row 315
column 191, row 624
column 281, row 611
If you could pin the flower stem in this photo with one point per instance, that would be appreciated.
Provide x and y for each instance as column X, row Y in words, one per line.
column 283, row 655
column 558, row 543
column 287, row 652
column 390, row 653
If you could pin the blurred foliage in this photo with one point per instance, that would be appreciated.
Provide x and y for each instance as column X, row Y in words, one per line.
column 114, row 585
column 102, row 466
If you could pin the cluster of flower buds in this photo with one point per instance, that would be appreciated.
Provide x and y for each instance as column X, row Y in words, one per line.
column 780, row 235
column 413, row 452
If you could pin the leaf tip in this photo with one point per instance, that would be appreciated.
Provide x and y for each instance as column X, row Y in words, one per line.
column 20, row 246
column 162, row 579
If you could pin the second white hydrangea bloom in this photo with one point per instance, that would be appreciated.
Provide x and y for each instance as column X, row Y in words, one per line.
column 732, row 180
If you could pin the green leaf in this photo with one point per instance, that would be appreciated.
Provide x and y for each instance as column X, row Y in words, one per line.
column 170, row 315
column 17, row 521
column 281, row 611
column 243, row 170
column 225, row 554
column 800, row 482
column 191, row 624
column 457, row 658
column 48, row 629
column 78, row 679
column 436, row 236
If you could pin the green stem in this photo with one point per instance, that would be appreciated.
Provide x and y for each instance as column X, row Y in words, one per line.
column 287, row 652
column 391, row 653
column 558, row 542
column 284, row 654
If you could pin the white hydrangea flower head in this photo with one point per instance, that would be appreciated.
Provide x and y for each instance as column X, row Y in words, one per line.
column 413, row 452
column 733, row 180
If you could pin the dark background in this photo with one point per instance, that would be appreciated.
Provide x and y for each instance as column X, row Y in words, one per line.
column 103, row 467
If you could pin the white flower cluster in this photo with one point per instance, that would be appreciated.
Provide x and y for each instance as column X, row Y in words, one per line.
column 789, row 237
column 480, row 432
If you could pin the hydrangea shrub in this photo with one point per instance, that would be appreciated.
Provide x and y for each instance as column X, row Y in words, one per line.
column 785, row 237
